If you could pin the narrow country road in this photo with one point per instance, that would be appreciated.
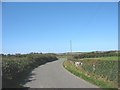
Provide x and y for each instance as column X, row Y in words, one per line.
column 53, row 75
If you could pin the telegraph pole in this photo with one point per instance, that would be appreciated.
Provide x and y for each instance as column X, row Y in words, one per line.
column 70, row 46
column 69, row 52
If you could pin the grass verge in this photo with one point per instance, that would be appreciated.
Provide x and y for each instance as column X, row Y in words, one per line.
column 100, row 83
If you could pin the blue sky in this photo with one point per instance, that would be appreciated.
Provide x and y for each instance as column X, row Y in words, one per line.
column 49, row 27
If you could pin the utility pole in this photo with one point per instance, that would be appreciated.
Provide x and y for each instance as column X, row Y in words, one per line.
column 71, row 46
column 68, row 53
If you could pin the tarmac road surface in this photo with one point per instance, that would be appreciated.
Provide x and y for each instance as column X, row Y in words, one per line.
column 53, row 75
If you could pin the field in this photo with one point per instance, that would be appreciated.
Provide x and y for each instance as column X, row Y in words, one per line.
column 101, row 71
column 115, row 58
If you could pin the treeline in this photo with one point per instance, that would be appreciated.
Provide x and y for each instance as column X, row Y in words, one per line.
column 16, row 66
column 96, row 54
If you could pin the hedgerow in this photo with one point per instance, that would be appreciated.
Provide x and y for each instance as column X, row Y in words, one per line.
column 14, row 66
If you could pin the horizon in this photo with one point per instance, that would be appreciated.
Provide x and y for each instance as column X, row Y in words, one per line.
column 48, row 27
column 57, row 53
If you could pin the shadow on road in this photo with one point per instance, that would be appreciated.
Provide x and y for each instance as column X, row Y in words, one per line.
column 20, row 80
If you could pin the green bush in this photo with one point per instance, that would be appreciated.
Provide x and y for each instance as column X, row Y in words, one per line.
column 104, row 68
column 13, row 66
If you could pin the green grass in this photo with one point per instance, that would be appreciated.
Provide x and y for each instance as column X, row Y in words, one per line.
column 109, row 58
column 102, row 58
column 91, row 78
